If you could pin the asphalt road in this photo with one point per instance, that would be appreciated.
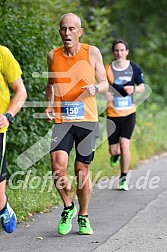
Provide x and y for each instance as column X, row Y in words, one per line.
column 131, row 221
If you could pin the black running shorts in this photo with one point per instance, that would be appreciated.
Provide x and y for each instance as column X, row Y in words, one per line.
column 2, row 156
column 83, row 134
column 124, row 127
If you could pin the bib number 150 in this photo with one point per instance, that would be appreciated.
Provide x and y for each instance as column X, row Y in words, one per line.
column 72, row 110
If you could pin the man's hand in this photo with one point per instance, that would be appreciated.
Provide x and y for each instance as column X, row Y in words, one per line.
column 50, row 114
column 91, row 89
column 3, row 121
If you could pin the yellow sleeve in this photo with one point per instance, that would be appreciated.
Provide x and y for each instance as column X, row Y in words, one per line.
column 10, row 67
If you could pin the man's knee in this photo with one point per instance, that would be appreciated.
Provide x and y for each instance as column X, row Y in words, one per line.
column 59, row 161
column 81, row 170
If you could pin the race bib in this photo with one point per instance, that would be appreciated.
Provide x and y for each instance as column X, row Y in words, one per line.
column 72, row 110
column 123, row 103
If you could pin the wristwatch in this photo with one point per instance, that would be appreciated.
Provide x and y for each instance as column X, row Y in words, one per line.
column 96, row 88
column 9, row 117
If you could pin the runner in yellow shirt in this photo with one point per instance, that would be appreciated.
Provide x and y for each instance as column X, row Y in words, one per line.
column 10, row 75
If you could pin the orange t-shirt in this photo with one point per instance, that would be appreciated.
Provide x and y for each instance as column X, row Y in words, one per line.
column 69, row 75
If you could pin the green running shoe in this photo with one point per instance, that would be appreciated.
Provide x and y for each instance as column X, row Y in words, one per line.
column 123, row 185
column 114, row 160
column 84, row 225
column 65, row 225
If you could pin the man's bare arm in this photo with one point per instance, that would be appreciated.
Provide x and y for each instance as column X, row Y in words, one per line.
column 100, row 73
column 19, row 97
column 17, row 101
column 49, row 111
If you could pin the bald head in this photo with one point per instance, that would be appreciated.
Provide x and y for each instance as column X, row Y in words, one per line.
column 71, row 15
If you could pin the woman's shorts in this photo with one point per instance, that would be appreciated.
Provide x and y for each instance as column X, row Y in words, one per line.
column 124, row 127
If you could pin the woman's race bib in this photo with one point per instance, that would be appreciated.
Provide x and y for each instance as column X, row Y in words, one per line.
column 123, row 103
